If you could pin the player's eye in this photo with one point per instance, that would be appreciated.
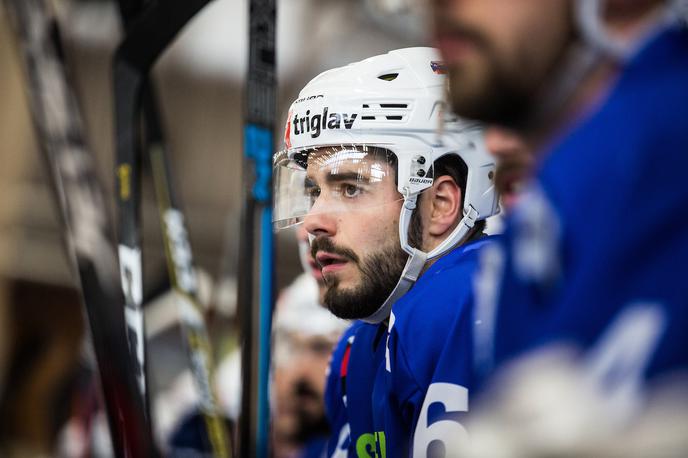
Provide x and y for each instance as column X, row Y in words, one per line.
column 313, row 192
column 350, row 190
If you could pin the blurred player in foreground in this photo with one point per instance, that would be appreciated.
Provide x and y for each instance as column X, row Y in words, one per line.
column 589, row 275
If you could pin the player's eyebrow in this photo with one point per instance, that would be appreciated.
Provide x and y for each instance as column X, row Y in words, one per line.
column 345, row 176
column 337, row 178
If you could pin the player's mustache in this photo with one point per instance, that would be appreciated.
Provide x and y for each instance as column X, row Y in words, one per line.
column 324, row 243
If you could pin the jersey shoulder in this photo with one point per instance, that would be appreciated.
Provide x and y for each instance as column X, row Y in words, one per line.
column 432, row 315
column 442, row 293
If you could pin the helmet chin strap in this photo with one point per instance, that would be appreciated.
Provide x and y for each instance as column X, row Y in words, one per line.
column 417, row 258
column 587, row 14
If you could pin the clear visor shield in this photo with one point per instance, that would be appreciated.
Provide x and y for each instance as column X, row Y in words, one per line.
column 333, row 181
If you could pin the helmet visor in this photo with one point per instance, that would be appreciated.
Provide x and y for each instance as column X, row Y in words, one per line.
column 333, row 180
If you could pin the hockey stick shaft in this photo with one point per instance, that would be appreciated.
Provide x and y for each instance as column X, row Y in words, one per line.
column 177, row 248
column 128, row 195
column 144, row 41
column 256, row 292
column 82, row 205
column 133, row 59
column 184, row 284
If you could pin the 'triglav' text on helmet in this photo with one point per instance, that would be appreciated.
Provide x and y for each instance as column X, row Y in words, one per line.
column 393, row 102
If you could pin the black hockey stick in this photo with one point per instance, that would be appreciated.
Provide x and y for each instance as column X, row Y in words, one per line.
column 138, row 19
column 84, row 211
column 131, row 65
column 256, row 280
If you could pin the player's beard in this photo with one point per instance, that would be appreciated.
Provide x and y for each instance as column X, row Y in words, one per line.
column 502, row 94
column 510, row 92
column 498, row 100
column 379, row 274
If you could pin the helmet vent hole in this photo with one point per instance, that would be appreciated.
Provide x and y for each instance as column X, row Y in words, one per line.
column 387, row 110
column 388, row 76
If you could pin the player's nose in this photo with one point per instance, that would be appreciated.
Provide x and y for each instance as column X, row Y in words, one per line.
column 320, row 221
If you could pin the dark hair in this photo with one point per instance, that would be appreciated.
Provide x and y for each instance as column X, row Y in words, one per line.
column 454, row 167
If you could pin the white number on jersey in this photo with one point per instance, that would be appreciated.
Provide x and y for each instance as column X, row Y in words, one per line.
column 454, row 398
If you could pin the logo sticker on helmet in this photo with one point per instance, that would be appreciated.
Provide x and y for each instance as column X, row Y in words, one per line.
column 438, row 67
column 287, row 132
column 315, row 124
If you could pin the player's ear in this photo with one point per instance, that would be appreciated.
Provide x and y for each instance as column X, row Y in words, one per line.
column 445, row 206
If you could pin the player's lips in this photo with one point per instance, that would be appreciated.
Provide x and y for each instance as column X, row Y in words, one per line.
column 329, row 262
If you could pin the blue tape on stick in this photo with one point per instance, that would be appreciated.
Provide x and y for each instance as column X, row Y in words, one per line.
column 258, row 147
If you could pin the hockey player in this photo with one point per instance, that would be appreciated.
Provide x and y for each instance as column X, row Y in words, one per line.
column 390, row 203
column 594, row 255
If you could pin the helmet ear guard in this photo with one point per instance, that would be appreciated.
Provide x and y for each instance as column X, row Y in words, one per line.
column 480, row 202
column 480, row 192
column 480, row 197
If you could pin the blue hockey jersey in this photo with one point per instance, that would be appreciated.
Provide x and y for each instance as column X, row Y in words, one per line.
column 402, row 386
column 596, row 253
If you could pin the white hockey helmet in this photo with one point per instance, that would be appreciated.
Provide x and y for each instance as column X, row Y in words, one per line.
column 395, row 104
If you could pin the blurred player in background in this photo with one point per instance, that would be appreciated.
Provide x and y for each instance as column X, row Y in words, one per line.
column 363, row 140
column 594, row 251
column 304, row 335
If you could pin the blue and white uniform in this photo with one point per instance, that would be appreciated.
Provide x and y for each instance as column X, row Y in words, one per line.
column 405, row 378
column 596, row 253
